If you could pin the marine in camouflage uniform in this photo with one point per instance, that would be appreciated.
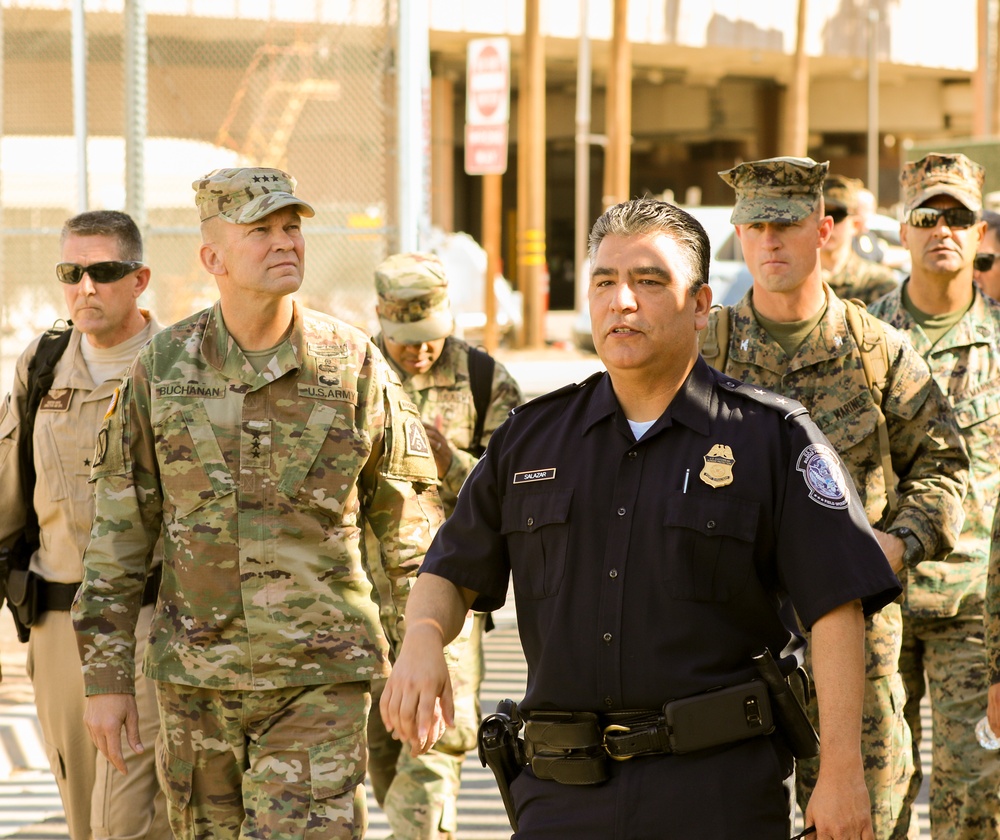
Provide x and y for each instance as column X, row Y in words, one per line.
column 847, row 273
column 420, row 794
column 957, row 331
column 825, row 373
column 261, row 439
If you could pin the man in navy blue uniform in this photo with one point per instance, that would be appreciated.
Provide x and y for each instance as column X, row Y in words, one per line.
column 658, row 520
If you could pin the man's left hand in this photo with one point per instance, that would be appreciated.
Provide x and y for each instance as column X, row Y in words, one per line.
column 441, row 449
column 840, row 808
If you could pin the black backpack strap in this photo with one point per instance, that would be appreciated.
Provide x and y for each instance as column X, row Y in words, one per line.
column 481, row 367
column 41, row 372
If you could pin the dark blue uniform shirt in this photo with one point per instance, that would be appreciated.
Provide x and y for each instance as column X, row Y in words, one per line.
column 654, row 569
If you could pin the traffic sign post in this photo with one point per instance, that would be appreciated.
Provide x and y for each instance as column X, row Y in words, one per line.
column 487, row 108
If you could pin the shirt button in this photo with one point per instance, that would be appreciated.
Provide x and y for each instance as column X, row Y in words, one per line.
column 621, row 511
column 608, row 701
column 607, row 637
column 531, row 521
column 613, row 573
column 631, row 455
column 710, row 524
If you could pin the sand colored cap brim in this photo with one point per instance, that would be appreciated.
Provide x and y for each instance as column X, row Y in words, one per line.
column 437, row 325
column 264, row 205
column 772, row 209
column 969, row 200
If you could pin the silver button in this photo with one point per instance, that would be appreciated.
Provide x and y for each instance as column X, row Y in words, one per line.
column 621, row 511
column 531, row 521
column 710, row 524
column 607, row 637
column 613, row 573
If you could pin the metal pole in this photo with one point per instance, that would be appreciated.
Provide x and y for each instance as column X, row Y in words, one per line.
column 582, row 216
column 532, row 268
column 797, row 113
column 873, row 78
column 79, row 55
column 413, row 81
column 136, row 110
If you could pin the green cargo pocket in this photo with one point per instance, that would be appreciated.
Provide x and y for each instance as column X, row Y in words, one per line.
column 337, row 766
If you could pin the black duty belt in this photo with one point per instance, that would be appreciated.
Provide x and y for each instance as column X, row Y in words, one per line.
column 572, row 747
column 59, row 596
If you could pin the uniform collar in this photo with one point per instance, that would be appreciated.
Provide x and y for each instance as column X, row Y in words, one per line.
column 223, row 353
column 691, row 405
column 829, row 340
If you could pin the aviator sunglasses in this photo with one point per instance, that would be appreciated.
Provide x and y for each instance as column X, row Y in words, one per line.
column 954, row 217
column 100, row 272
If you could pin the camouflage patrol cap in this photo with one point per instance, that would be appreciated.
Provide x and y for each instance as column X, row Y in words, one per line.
column 246, row 194
column 413, row 304
column 781, row 189
column 841, row 191
column 942, row 174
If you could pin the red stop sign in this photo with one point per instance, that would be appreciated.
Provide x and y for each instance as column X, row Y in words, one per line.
column 488, row 84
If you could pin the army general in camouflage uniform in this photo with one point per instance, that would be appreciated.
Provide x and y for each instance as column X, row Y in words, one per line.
column 420, row 793
column 260, row 438
column 790, row 333
column 957, row 331
column 848, row 274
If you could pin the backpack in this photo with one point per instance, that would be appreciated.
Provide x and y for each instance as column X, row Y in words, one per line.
column 868, row 333
column 481, row 367
column 41, row 372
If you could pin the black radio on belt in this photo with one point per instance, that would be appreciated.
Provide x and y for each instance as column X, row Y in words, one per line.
column 718, row 717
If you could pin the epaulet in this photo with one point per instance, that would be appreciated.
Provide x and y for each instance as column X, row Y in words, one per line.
column 565, row 391
column 785, row 406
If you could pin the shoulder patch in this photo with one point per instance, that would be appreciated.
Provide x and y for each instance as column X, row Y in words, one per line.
column 821, row 471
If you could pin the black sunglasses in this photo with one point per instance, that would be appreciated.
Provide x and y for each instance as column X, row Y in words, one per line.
column 838, row 215
column 984, row 261
column 100, row 272
column 954, row 217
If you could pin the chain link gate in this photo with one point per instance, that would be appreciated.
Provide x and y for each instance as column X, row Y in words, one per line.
column 307, row 86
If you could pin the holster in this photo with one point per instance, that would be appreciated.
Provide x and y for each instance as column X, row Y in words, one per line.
column 22, row 587
column 501, row 750
column 789, row 713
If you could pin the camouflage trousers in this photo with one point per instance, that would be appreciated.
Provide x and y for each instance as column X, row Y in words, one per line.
column 419, row 795
column 965, row 778
column 886, row 752
column 287, row 763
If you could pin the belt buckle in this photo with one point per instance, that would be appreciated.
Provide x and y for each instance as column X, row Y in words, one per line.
column 614, row 727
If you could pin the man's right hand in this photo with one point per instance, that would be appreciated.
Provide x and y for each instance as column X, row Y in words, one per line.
column 417, row 702
column 104, row 717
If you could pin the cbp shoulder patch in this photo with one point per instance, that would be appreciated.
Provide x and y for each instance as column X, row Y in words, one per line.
column 416, row 439
column 822, row 474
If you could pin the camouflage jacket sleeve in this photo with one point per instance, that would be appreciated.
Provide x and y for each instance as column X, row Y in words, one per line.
column 400, row 500
column 125, row 531
column 505, row 395
column 993, row 600
column 928, row 454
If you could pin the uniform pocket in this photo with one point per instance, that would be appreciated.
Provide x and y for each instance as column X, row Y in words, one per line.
column 175, row 776
column 536, row 526
column 708, row 539
column 338, row 766
column 193, row 470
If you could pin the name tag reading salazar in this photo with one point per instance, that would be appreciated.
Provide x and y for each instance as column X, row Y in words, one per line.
column 534, row 475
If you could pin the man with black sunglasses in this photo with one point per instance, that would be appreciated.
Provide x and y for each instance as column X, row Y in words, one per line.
column 849, row 275
column 103, row 275
column 957, row 330
column 987, row 263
